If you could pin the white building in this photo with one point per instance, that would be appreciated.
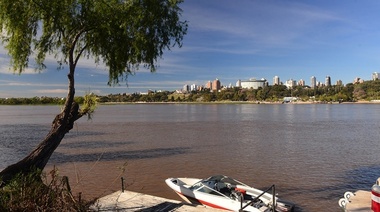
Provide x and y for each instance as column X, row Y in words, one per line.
column 290, row 83
column 313, row 82
column 252, row 83
column 186, row 88
column 276, row 80
column 301, row 82
column 328, row 81
column 375, row 76
column 358, row 80
column 193, row 87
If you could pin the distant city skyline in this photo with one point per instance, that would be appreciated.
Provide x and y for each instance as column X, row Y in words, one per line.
column 232, row 40
column 277, row 81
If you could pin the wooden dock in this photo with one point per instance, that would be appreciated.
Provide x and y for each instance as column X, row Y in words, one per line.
column 133, row 201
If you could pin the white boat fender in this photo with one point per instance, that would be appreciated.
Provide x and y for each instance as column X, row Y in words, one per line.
column 348, row 195
column 342, row 203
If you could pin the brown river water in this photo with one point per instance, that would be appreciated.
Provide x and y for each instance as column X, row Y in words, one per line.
column 313, row 153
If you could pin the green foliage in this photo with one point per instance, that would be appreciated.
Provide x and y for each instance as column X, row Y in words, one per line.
column 32, row 101
column 30, row 193
column 90, row 103
column 120, row 33
column 368, row 90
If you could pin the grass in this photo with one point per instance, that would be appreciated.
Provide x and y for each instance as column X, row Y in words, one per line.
column 33, row 192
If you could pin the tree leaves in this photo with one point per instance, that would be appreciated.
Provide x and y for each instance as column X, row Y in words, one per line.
column 19, row 25
column 122, row 34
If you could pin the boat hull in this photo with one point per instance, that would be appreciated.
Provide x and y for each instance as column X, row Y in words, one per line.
column 182, row 187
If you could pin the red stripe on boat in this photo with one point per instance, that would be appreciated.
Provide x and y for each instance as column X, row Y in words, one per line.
column 203, row 202
column 212, row 205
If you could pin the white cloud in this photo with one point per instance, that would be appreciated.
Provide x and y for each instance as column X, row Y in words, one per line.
column 52, row 91
column 6, row 83
column 6, row 69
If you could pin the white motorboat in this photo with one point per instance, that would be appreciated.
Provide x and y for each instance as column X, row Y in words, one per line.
column 223, row 192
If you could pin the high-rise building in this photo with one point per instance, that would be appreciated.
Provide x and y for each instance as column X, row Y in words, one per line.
column 339, row 82
column 238, row 84
column 313, row 82
column 186, row 88
column 290, row 83
column 301, row 82
column 193, row 87
column 209, row 85
column 216, row 85
column 375, row 76
column 327, row 81
column 276, row 80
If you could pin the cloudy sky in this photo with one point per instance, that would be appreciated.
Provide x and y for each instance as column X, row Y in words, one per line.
column 237, row 39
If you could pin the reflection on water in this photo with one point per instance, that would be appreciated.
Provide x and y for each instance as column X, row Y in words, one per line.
column 312, row 153
column 115, row 155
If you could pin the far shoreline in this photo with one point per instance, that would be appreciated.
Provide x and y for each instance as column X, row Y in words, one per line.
column 212, row 103
column 243, row 102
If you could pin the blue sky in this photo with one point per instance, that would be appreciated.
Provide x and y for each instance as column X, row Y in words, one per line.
column 232, row 40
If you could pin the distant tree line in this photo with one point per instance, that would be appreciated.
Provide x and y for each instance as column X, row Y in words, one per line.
column 38, row 101
column 366, row 91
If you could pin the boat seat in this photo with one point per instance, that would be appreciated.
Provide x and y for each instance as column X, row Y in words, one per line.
column 219, row 185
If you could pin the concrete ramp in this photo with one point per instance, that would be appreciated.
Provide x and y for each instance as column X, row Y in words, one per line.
column 133, row 201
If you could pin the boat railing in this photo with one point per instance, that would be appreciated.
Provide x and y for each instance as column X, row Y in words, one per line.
column 273, row 188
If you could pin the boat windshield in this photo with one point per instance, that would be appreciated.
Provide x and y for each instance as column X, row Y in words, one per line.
column 222, row 179
column 217, row 185
column 196, row 186
column 206, row 187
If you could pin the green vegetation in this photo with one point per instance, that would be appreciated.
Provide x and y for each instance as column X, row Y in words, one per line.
column 32, row 193
column 40, row 101
column 366, row 91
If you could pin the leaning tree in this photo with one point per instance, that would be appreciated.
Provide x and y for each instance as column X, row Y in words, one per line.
column 121, row 34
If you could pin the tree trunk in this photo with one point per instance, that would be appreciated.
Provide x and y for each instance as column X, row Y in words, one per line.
column 40, row 156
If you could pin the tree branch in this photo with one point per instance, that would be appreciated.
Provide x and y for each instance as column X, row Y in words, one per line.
column 79, row 54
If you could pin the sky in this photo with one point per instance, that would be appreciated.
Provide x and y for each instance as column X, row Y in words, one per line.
column 236, row 39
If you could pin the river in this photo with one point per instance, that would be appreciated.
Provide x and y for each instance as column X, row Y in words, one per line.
column 313, row 153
